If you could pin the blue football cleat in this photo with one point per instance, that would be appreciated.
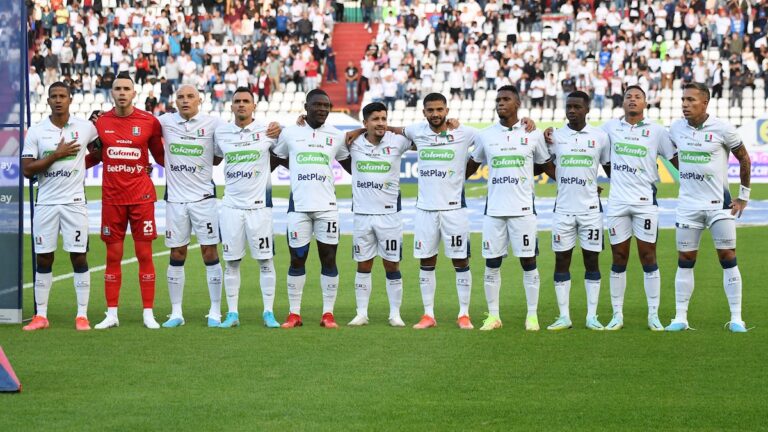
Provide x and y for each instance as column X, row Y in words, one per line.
column 233, row 320
column 213, row 322
column 173, row 323
column 676, row 326
column 269, row 320
column 736, row 326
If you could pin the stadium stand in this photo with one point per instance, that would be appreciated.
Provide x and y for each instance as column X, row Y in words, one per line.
column 464, row 50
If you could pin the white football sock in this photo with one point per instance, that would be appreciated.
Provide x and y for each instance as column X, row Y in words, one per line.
column 618, row 286
column 531, row 285
column 232, row 284
column 652, row 284
column 214, row 274
column 295, row 290
column 83, row 292
column 362, row 292
column 43, row 283
column 394, row 293
column 732, row 285
column 563, row 294
column 427, row 284
column 267, row 280
column 593, row 295
column 684, row 284
column 492, row 286
column 175, row 277
column 329, row 285
column 464, row 289
column 112, row 312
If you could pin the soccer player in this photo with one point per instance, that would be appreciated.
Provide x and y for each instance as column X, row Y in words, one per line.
column 312, row 209
column 191, row 199
column 632, row 207
column 55, row 151
column 703, row 142
column 376, row 205
column 441, row 212
column 245, row 215
column 128, row 135
column 510, row 217
column 578, row 150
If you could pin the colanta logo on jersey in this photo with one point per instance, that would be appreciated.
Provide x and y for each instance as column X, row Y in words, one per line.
column 244, row 156
column 508, row 161
column 186, row 149
column 631, row 150
column 574, row 161
column 373, row 167
column 126, row 153
column 443, row 155
column 695, row 157
column 315, row 158
column 50, row 152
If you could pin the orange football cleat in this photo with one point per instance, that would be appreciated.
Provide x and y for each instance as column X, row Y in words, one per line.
column 425, row 322
column 293, row 320
column 328, row 321
column 464, row 323
column 82, row 324
column 38, row 323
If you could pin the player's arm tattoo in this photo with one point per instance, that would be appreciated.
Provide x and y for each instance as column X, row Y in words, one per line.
column 472, row 167
column 745, row 164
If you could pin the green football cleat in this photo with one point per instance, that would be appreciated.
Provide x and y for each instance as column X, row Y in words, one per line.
column 492, row 322
column 532, row 323
column 562, row 323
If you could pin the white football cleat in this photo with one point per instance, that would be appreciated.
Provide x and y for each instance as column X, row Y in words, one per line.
column 149, row 321
column 109, row 322
column 396, row 322
column 358, row 320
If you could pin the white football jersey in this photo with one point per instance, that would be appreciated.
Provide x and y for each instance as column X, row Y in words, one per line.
column 578, row 156
column 442, row 165
column 376, row 174
column 247, row 173
column 510, row 154
column 634, row 150
column 703, row 157
column 64, row 181
column 189, row 156
column 309, row 153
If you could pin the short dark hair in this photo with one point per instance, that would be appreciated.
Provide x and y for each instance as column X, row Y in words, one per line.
column 511, row 89
column 435, row 97
column 698, row 86
column 59, row 84
column 372, row 108
column 244, row 90
column 124, row 75
column 581, row 95
column 316, row 92
column 635, row 87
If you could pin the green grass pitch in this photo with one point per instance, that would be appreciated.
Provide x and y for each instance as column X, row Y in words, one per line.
column 380, row 378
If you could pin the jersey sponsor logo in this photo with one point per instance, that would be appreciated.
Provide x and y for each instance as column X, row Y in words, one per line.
column 60, row 173
column 316, row 158
column 184, row 168
column 695, row 157
column 508, row 180
column 575, row 181
column 127, row 169
column 244, row 156
column 625, row 168
column 695, row 176
column 573, row 161
column 632, row 150
column 233, row 175
column 311, row 177
column 436, row 155
column 50, row 152
column 508, row 161
column 369, row 185
column 136, row 131
column 186, row 149
column 127, row 153
column 373, row 167
column 436, row 173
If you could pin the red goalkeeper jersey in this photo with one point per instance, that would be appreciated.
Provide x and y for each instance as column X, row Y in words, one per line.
column 126, row 143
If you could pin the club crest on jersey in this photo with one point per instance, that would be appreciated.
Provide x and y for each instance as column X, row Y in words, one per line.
column 294, row 235
column 556, row 238
column 38, row 240
column 386, row 150
column 75, row 135
column 201, row 132
column 646, row 133
column 591, row 143
column 136, row 130
column 486, row 245
column 329, row 141
column 256, row 136
column 105, row 231
column 524, row 141
column 417, row 245
column 708, row 137
column 612, row 232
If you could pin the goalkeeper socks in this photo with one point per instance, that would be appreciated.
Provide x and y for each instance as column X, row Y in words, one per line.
column 427, row 284
column 652, row 284
column 267, row 280
column 232, row 284
column 732, row 286
column 82, row 290
column 296, row 279
column 329, row 282
column 394, row 293
column 214, row 276
column 684, row 284
column 175, row 277
column 43, row 282
column 592, row 286
column 146, row 272
column 362, row 292
column 492, row 286
column 464, row 289
column 618, row 286
column 531, row 285
column 113, row 275
column 563, row 293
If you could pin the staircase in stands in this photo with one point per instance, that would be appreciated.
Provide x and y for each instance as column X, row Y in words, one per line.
column 349, row 43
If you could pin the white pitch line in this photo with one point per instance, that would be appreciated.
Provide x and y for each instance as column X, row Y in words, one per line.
column 103, row 267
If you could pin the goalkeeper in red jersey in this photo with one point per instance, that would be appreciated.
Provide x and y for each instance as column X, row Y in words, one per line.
column 127, row 136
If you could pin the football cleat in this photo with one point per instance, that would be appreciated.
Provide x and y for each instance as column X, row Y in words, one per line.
column 174, row 322
column 38, row 323
column 269, row 320
column 425, row 322
column 293, row 320
column 676, row 326
column 150, row 322
column 358, row 320
column 561, row 323
column 82, row 324
column 232, row 320
column 532, row 323
column 396, row 322
column 464, row 323
column 617, row 322
column 109, row 322
column 213, row 322
column 736, row 326
column 492, row 322
column 594, row 324
column 328, row 321
column 654, row 324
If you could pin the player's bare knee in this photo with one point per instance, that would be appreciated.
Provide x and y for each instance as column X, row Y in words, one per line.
column 591, row 261
column 79, row 260
column 210, row 253
column 365, row 266
column 562, row 261
column 390, row 266
column 493, row 263
column 460, row 263
column 429, row 262
column 620, row 254
column 687, row 256
column 45, row 260
column 179, row 253
column 726, row 255
column 528, row 263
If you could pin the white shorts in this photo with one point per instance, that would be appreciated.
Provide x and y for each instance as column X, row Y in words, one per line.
column 301, row 226
column 382, row 234
column 239, row 226
column 69, row 219
column 625, row 220
column 499, row 233
column 452, row 226
column 588, row 227
column 691, row 223
column 183, row 218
